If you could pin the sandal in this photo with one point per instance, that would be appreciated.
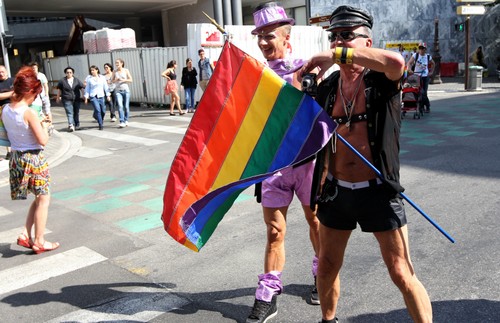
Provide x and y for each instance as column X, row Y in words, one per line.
column 172, row 114
column 43, row 248
column 24, row 241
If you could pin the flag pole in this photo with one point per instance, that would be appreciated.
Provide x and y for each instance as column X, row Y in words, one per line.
column 212, row 20
column 415, row 206
column 226, row 35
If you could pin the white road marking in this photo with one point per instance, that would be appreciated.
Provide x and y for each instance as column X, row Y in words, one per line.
column 59, row 264
column 10, row 236
column 88, row 152
column 139, row 305
column 4, row 211
column 123, row 137
column 175, row 118
column 155, row 127
column 4, row 165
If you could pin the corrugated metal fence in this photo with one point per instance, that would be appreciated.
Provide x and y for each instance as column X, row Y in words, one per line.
column 147, row 64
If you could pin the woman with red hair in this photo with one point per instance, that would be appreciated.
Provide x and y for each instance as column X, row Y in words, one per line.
column 28, row 168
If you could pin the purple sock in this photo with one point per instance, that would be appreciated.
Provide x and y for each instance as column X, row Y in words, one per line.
column 315, row 266
column 269, row 285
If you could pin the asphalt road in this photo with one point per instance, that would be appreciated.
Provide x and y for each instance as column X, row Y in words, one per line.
column 117, row 264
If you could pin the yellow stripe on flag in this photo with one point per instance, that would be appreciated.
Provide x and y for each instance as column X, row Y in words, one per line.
column 251, row 129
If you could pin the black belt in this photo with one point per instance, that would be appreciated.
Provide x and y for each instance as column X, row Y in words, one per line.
column 354, row 118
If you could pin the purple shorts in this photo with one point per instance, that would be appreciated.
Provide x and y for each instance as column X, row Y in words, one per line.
column 277, row 190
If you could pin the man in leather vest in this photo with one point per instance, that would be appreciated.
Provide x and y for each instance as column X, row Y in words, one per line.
column 364, row 99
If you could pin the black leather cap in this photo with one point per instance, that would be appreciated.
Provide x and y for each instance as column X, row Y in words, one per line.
column 347, row 16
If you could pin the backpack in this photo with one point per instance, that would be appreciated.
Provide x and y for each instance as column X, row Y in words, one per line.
column 416, row 58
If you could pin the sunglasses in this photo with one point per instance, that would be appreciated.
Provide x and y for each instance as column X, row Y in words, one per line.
column 345, row 35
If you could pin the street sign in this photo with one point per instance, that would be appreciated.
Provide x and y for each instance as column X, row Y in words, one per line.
column 470, row 10
column 322, row 21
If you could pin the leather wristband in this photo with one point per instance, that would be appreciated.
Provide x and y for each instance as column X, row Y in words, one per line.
column 338, row 55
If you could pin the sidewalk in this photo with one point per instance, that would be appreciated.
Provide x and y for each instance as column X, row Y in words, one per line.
column 456, row 84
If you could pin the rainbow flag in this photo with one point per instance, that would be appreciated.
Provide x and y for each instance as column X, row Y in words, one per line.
column 249, row 124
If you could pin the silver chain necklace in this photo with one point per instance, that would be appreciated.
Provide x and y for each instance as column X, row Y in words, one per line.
column 348, row 105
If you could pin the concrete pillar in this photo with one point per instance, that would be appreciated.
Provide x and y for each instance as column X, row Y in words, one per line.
column 218, row 12
column 237, row 14
column 227, row 12
column 165, row 28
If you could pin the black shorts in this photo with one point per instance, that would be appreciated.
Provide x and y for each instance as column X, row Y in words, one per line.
column 375, row 208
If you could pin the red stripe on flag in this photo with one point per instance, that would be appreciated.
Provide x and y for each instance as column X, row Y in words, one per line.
column 201, row 142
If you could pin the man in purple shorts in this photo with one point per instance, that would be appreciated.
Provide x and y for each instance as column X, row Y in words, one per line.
column 273, row 29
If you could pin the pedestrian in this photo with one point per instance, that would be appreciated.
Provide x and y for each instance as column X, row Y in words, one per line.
column 364, row 98
column 122, row 79
column 40, row 76
column 273, row 29
column 478, row 57
column 70, row 91
column 28, row 168
column 422, row 64
column 111, row 104
column 41, row 106
column 96, row 89
column 172, row 88
column 189, row 82
column 6, row 90
column 403, row 52
column 206, row 69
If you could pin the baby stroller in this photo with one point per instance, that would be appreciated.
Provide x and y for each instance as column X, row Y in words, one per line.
column 412, row 97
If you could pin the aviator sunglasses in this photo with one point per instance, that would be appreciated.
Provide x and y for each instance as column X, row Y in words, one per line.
column 345, row 35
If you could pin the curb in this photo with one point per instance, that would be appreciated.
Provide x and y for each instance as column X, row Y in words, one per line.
column 63, row 148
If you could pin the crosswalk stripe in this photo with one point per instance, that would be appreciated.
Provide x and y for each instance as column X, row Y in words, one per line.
column 4, row 211
column 10, row 236
column 175, row 118
column 88, row 152
column 140, row 305
column 4, row 165
column 123, row 137
column 156, row 127
column 53, row 266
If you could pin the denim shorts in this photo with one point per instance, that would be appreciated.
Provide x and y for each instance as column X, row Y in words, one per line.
column 375, row 208
column 278, row 190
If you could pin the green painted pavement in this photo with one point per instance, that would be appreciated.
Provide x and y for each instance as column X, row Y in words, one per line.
column 458, row 133
column 105, row 205
column 73, row 194
column 126, row 190
column 155, row 204
column 141, row 223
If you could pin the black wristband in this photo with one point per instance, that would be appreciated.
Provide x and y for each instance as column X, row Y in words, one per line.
column 343, row 58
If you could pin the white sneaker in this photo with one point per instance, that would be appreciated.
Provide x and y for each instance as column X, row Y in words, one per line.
column 71, row 128
column 113, row 119
column 126, row 123
column 122, row 125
